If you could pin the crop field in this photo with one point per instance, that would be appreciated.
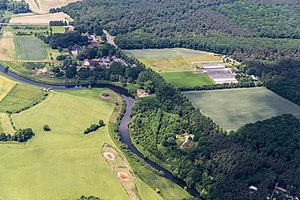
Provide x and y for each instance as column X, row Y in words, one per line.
column 232, row 108
column 5, row 86
column 40, row 19
column 173, row 59
column 30, row 48
column 20, row 96
column 7, row 47
column 187, row 79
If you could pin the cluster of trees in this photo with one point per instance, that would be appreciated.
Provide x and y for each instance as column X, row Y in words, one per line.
column 58, row 23
column 64, row 40
column 98, row 51
column 15, row 6
column 212, row 25
column 94, row 127
column 282, row 77
column 22, row 135
column 88, row 198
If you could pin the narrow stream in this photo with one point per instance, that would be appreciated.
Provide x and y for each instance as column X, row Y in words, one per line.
column 123, row 128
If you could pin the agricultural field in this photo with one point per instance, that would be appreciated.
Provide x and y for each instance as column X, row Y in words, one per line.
column 187, row 79
column 7, row 47
column 40, row 19
column 172, row 59
column 43, row 6
column 20, row 96
column 63, row 163
column 30, row 48
column 5, row 86
column 232, row 108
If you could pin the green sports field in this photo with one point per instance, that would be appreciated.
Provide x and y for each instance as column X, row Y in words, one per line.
column 30, row 48
column 187, row 79
column 232, row 108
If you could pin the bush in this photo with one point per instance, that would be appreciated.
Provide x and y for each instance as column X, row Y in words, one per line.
column 46, row 128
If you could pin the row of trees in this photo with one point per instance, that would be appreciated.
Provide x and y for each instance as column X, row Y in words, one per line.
column 22, row 135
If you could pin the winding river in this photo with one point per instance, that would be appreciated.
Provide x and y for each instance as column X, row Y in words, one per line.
column 123, row 128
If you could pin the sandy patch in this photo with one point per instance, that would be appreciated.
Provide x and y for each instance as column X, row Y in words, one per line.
column 123, row 176
column 142, row 93
column 121, row 168
column 41, row 19
column 43, row 6
column 109, row 156
column 7, row 46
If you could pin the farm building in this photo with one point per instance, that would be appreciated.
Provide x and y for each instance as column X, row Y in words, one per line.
column 219, row 73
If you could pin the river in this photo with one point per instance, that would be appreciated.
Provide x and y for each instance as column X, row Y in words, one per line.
column 123, row 128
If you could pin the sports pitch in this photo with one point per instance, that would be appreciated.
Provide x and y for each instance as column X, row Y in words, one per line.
column 30, row 48
column 187, row 79
column 232, row 108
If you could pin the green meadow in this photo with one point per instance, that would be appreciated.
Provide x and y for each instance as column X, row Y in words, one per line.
column 187, row 79
column 232, row 108
column 30, row 48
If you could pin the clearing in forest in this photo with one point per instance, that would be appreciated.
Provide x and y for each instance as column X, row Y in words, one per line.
column 232, row 108
column 30, row 48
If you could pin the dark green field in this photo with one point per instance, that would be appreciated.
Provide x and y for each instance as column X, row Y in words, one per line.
column 187, row 79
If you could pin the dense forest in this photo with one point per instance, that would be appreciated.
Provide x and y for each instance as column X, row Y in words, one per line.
column 258, row 29
column 282, row 77
column 14, row 6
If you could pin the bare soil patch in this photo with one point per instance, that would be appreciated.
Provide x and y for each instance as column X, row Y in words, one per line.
column 109, row 156
column 121, row 168
column 43, row 6
column 7, row 46
column 41, row 19
column 142, row 93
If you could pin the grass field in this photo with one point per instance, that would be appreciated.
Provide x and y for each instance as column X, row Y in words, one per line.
column 20, row 96
column 30, row 48
column 233, row 108
column 5, row 86
column 58, row 29
column 172, row 59
column 5, row 125
column 7, row 47
column 187, row 79
column 63, row 163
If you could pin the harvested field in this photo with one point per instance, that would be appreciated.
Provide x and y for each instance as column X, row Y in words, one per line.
column 5, row 86
column 232, row 108
column 30, row 48
column 43, row 6
column 41, row 19
column 7, row 46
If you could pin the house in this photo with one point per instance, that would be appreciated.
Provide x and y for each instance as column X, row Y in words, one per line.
column 226, row 59
column 253, row 188
column 91, row 63
column 75, row 50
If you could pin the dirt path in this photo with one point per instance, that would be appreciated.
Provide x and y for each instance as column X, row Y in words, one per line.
column 122, row 170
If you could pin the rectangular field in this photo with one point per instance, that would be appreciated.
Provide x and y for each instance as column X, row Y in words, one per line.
column 232, row 108
column 187, row 79
column 173, row 59
column 30, row 48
